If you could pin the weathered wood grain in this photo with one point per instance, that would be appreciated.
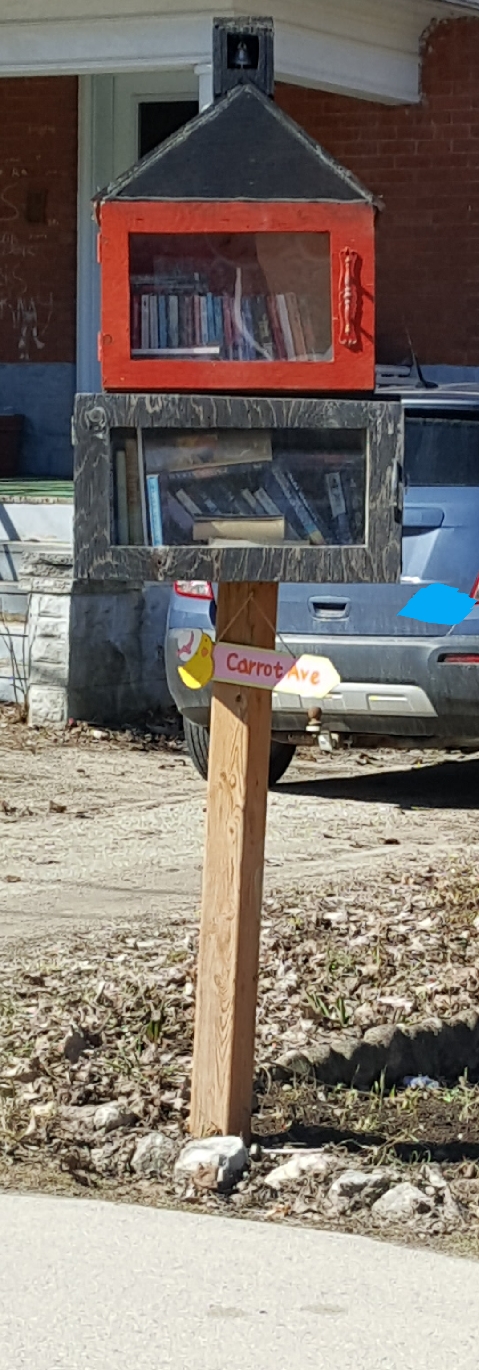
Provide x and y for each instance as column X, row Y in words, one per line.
column 233, row 877
column 96, row 558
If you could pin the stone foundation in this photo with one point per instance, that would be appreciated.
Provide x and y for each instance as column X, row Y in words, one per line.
column 95, row 652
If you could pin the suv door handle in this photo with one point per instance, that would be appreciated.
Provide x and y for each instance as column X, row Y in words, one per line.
column 329, row 606
column 422, row 516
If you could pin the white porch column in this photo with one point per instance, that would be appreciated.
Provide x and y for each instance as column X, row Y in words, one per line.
column 204, row 72
column 95, row 169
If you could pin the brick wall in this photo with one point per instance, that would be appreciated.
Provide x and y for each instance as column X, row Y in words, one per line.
column 424, row 161
column 38, row 179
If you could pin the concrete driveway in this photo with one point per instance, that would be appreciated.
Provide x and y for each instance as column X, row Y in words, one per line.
column 91, row 1286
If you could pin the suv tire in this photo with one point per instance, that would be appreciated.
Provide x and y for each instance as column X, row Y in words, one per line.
column 197, row 739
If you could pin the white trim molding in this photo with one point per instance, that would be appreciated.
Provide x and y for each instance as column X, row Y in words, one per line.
column 366, row 48
column 107, row 144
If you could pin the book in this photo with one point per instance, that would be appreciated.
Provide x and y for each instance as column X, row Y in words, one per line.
column 162, row 322
column 268, row 506
column 154, row 509
column 204, row 319
column 188, row 504
column 121, row 498
column 335, row 493
column 135, row 520
column 141, row 482
column 154, row 335
column 249, row 330
column 267, row 503
column 182, row 323
column 192, row 451
column 189, row 322
column 145, row 322
column 298, row 505
column 196, row 321
column 295, row 324
column 322, row 527
column 262, row 328
column 237, row 324
column 276, row 331
column 173, row 319
column 261, row 530
column 210, row 315
column 338, row 506
column 228, row 327
column 135, row 322
column 307, row 326
column 285, row 327
column 283, row 504
column 218, row 313
column 178, row 515
column 251, row 501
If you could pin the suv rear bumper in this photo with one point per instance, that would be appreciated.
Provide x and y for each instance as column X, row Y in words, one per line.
column 395, row 686
column 361, row 697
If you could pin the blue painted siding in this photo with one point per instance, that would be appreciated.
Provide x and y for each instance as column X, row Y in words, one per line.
column 44, row 394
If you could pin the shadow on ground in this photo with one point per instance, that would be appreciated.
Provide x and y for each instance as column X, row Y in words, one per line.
column 447, row 785
column 429, row 1149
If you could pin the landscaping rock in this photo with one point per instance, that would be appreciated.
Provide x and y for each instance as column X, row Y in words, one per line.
column 401, row 1203
column 317, row 1163
column 107, row 1117
column 355, row 1184
column 432, row 1174
column 451, row 1211
column 227, row 1154
column 77, row 1120
column 151, row 1155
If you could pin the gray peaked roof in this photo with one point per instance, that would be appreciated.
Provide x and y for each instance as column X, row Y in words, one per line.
column 242, row 148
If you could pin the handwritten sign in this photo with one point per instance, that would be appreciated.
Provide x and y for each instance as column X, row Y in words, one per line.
column 202, row 660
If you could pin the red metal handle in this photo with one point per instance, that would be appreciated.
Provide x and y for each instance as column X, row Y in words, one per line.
column 349, row 297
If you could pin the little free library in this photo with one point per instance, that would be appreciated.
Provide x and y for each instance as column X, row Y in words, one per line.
column 237, row 439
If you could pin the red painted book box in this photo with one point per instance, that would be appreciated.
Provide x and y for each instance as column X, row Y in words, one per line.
column 238, row 257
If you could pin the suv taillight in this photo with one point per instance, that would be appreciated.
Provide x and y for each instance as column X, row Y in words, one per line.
column 193, row 589
column 474, row 593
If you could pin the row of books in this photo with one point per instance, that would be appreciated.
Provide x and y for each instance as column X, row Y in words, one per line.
column 275, row 508
column 250, row 328
column 251, row 502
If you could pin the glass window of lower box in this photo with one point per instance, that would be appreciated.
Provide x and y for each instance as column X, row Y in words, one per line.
column 231, row 296
column 173, row 487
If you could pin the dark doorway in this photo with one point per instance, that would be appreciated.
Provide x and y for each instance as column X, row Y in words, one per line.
column 158, row 119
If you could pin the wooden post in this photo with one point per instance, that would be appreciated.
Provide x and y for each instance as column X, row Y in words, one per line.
column 223, row 1058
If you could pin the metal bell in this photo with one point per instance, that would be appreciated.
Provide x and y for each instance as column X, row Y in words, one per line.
column 241, row 58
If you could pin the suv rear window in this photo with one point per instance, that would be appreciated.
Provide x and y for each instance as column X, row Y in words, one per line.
column 442, row 449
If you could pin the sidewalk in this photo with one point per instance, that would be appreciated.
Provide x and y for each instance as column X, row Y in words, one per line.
column 92, row 1286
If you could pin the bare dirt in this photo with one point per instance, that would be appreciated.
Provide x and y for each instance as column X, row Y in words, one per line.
column 95, row 829
column 371, row 918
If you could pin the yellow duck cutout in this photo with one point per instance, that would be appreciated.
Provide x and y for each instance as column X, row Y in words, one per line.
column 198, row 671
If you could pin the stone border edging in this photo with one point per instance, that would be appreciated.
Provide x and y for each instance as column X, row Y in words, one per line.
column 440, row 1048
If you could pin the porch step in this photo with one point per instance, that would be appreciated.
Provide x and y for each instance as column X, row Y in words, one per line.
column 12, row 554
